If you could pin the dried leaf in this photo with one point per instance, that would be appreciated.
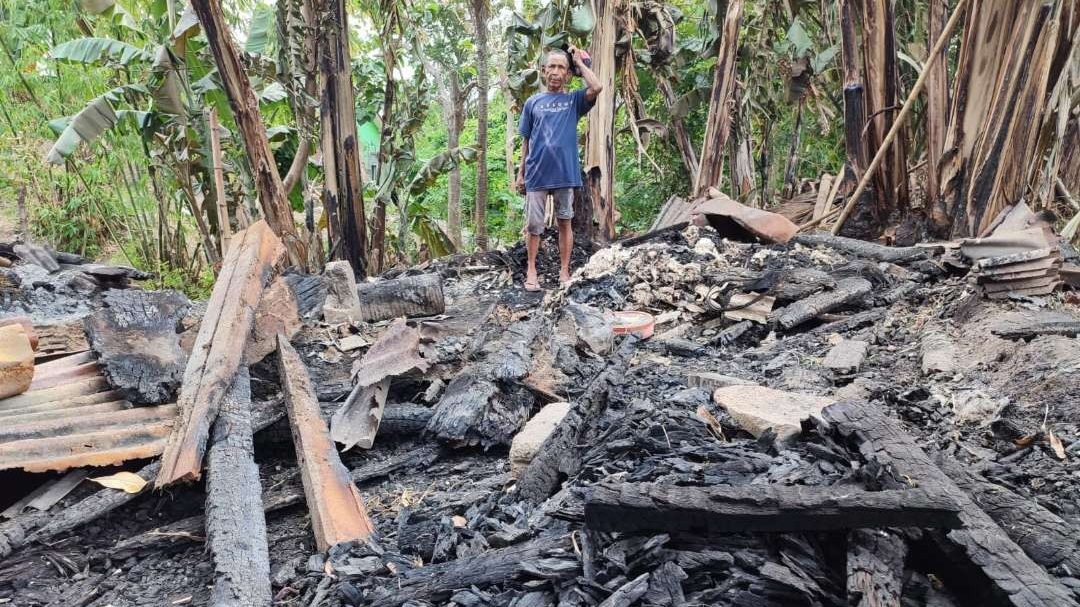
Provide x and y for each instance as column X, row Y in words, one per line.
column 1055, row 444
column 1024, row 441
column 128, row 482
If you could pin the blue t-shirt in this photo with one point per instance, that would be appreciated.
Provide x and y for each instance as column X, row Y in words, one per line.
column 549, row 122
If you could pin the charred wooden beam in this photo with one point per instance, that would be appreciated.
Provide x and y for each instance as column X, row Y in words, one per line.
column 848, row 290
column 337, row 510
column 770, row 508
column 410, row 296
column 218, row 348
column 1048, row 539
column 235, row 525
column 875, row 568
column 436, row 583
column 559, row 457
column 984, row 561
column 134, row 336
column 862, row 248
column 486, row 403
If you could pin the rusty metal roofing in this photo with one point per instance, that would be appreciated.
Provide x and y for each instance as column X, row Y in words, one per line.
column 71, row 418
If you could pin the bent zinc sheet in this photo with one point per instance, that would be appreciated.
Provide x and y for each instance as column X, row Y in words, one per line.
column 70, row 418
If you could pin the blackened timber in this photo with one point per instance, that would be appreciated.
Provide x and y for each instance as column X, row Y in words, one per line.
column 337, row 510
column 1048, row 539
column 981, row 559
column 486, row 403
column 218, row 348
column 875, row 568
column 134, row 336
column 848, row 290
column 770, row 508
column 410, row 296
column 862, row 248
column 559, row 455
column 235, row 525
column 436, row 583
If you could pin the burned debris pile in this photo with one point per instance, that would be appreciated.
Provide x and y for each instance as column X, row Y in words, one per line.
column 806, row 420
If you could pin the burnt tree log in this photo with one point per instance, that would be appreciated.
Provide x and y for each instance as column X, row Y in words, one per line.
column 411, row 296
column 235, row 525
column 770, row 508
column 486, row 403
column 218, row 348
column 135, row 338
column 847, row 291
column 559, row 456
column 436, row 583
column 979, row 559
column 875, row 568
column 1048, row 539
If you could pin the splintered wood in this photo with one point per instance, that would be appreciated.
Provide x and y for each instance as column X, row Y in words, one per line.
column 337, row 510
column 218, row 348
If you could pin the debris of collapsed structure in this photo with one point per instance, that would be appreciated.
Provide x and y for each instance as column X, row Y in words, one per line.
column 812, row 421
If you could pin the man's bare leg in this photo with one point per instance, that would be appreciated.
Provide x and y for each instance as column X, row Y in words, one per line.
column 566, row 244
column 532, row 245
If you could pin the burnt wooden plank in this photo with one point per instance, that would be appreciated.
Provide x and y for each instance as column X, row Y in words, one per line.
column 768, row 508
column 235, row 524
column 218, row 348
column 411, row 296
column 848, row 290
column 559, row 456
column 337, row 510
column 134, row 335
column 985, row 562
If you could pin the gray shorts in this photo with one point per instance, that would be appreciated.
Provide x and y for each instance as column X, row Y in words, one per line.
column 534, row 207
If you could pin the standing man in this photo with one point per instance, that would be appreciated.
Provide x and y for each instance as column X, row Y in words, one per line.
column 550, row 151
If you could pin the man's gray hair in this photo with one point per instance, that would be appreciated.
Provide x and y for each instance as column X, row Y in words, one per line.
column 557, row 51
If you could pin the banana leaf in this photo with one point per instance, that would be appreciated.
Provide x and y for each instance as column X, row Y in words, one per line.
column 94, row 50
column 94, row 119
column 438, row 165
column 582, row 19
column 262, row 25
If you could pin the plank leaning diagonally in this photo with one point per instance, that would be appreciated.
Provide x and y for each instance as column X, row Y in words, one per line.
column 218, row 349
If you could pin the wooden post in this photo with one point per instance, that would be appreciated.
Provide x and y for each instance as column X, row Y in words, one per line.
column 245, row 107
column 224, row 229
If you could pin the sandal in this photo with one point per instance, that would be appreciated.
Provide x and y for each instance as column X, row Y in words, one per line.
column 532, row 287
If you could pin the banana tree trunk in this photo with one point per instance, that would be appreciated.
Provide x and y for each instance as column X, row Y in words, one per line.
column 479, row 9
column 854, row 95
column 718, row 126
column 937, row 110
column 682, row 137
column 342, row 189
column 455, row 110
column 881, row 78
column 599, row 164
column 245, row 108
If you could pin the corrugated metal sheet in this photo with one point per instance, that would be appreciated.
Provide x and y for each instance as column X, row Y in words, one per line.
column 70, row 418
